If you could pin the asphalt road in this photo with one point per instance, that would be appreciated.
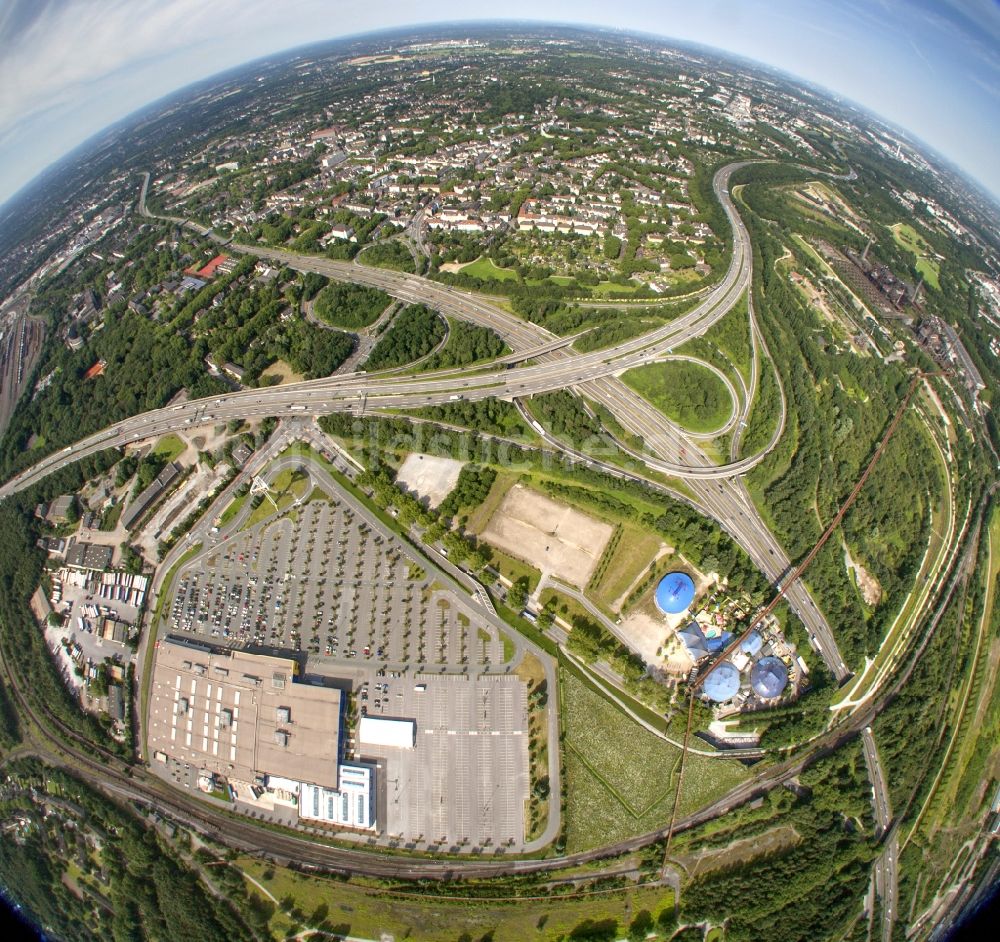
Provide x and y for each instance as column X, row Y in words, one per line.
column 717, row 493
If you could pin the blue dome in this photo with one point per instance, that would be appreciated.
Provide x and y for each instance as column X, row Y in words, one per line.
column 722, row 682
column 769, row 677
column 675, row 593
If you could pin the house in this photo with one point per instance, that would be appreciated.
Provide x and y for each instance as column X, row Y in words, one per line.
column 346, row 233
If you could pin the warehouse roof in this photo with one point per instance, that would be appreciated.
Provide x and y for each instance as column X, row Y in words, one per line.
column 240, row 715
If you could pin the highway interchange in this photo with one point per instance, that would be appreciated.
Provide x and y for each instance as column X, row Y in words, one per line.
column 540, row 362
column 717, row 489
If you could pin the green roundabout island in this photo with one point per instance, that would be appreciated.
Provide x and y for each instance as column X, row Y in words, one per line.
column 695, row 395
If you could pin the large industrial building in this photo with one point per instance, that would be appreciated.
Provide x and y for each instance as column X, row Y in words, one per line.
column 249, row 719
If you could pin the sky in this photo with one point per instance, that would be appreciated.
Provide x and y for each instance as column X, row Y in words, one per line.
column 69, row 68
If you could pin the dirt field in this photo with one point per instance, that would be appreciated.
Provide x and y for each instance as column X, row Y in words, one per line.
column 555, row 538
column 284, row 373
column 646, row 635
column 429, row 477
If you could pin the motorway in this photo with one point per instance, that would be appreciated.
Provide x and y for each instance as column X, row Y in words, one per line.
column 887, row 862
column 718, row 492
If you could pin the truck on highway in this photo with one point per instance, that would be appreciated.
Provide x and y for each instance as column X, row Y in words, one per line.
column 297, row 408
column 537, row 426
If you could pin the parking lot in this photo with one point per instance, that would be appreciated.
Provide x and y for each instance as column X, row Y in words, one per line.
column 322, row 578
column 465, row 782
column 90, row 609
column 319, row 579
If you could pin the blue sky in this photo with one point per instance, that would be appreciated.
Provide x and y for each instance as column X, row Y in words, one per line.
column 68, row 68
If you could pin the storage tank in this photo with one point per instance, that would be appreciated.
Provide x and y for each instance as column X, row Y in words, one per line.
column 722, row 683
column 675, row 593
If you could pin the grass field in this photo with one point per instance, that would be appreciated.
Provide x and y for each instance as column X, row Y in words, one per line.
column 912, row 241
column 168, row 447
column 609, row 287
column 285, row 488
column 233, row 509
column 484, row 268
column 630, row 557
column 512, row 568
column 367, row 912
column 688, row 393
column 621, row 777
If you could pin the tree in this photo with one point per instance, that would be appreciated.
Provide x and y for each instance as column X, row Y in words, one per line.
column 517, row 594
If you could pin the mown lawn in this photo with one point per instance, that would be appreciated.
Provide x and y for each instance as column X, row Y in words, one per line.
column 168, row 447
column 631, row 557
column 287, row 486
column 484, row 268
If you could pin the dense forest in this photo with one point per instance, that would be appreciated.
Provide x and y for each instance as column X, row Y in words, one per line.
column 414, row 333
column 137, row 886
column 839, row 404
column 467, row 343
column 350, row 306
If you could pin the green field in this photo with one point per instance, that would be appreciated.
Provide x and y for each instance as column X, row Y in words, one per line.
column 512, row 568
column 685, row 392
column 367, row 912
column 610, row 287
column 621, row 777
column 168, row 448
column 285, row 488
column 630, row 557
column 484, row 268
column 913, row 242
column 235, row 506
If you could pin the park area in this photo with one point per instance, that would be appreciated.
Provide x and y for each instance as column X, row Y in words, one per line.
column 689, row 394
column 485, row 269
column 912, row 241
column 552, row 537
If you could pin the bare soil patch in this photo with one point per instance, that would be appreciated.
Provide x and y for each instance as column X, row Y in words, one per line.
column 551, row 536
column 429, row 477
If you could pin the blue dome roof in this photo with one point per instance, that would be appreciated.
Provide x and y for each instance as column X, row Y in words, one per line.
column 722, row 683
column 675, row 593
column 769, row 677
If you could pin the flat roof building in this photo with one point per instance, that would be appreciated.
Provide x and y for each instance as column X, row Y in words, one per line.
column 82, row 555
column 242, row 715
column 382, row 731
column 352, row 805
